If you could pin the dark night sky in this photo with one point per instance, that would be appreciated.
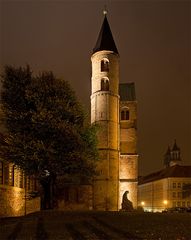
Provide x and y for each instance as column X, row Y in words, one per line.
column 153, row 38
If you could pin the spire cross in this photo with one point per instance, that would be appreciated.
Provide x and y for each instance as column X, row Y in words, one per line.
column 105, row 10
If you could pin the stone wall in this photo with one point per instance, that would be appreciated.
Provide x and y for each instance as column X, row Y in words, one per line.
column 105, row 113
column 12, row 202
column 128, row 178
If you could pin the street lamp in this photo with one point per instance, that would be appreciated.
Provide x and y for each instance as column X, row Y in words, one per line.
column 165, row 203
column 142, row 204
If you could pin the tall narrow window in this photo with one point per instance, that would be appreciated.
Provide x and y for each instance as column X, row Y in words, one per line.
column 107, row 85
column 122, row 115
column 16, row 176
column 6, row 174
column 1, row 172
column 104, row 84
column 105, row 65
column 125, row 114
column 11, row 175
column 28, row 183
column 21, row 178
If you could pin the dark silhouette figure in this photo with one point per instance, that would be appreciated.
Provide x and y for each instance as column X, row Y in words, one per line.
column 126, row 203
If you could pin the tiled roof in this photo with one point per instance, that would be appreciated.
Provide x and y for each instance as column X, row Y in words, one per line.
column 169, row 172
column 127, row 91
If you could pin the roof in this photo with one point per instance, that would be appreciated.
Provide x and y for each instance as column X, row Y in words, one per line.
column 127, row 91
column 169, row 172
column 175, row 147
column 105, row 39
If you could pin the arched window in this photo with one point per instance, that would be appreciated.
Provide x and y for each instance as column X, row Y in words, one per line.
column 125, row 114
column 12, row 175
column 1, row 172
column 122, row 115
column 21, row 178
column 104, row 84
column 105, row 65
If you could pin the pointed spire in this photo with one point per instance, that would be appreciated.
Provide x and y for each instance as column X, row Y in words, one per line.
column 175, row 147
column 168, row 151
column 105, row 39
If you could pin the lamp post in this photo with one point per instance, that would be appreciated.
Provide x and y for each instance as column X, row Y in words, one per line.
column 143, row 204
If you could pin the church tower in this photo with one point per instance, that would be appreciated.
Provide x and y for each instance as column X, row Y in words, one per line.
column 105, row 113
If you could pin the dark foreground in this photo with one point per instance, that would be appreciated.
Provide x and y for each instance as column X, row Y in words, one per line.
column 97, row 225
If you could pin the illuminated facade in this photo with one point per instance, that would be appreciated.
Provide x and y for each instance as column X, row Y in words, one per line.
column 168, row 187
column 15, row 189
column 165, row 189
column 113, row 109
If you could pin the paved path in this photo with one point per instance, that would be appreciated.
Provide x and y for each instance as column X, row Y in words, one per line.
column 55, row 225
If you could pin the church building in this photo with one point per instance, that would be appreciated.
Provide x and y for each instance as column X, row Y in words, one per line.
column 114, row 110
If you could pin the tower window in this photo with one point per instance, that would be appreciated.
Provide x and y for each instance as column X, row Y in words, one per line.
column 11, row 175
column 105, row 65
column 125, row 115
column 1, row 172
column 21, row 178
column 104, row 84
column 6, row 174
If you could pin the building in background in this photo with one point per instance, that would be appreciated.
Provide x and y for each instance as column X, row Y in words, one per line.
column 167, row 188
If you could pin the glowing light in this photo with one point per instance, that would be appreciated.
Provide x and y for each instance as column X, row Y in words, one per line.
column 142, row 203
column 165, row 202
column 105, row 10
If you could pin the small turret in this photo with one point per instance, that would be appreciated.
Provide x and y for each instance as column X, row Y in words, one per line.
column 172, row 157
column 175, row 155
column 167, row 157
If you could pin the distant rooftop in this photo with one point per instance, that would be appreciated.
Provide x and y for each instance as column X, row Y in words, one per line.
column 169, row 172
column 127, row 92
column 105, row 39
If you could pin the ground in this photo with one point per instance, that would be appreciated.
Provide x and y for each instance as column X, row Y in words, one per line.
column 55, row 225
